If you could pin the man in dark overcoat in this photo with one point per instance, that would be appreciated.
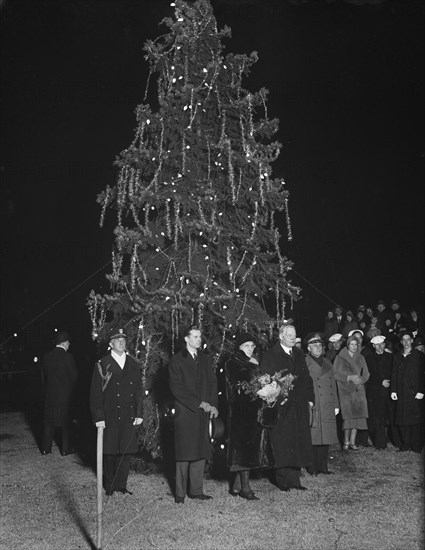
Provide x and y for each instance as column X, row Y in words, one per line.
column 291, row 437
column 116, row 405
column 194, row 387
column 60, row 376
column 408, row 389
column 379, row 404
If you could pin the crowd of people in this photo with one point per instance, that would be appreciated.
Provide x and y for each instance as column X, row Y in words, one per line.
column 368, row 383
column 358, row 381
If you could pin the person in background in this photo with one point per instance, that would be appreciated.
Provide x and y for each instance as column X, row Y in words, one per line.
column 373, row 329
column 194, row 386
column 326, row 404
column 408, row 389
column 351, row 373
column 339, row 318
column 245, row 450
column 414, row 323
column 398, row 326
column 419, row 343
column 369, row 313
column 336, row 342
column 383, row 314
column 330, row 326
column 60, row 378
column 116, row 395
column 361, row 320
column 378, row 393
column 291, row 437
column 298, row 343
column 350, row 324
column 395, row 307
column 386, row 329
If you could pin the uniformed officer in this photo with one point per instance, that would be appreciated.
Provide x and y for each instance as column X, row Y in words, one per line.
column 115, row 404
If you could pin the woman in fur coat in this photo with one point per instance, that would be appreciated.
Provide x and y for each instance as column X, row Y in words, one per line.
column 351, row 374
column 249, row 446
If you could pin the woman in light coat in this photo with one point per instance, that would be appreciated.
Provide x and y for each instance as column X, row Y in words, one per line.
column 351, row 373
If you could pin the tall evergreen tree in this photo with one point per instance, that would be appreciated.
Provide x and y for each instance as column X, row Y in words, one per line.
column 196, row 239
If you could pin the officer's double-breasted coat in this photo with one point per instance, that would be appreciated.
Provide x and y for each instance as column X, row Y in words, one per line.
column 116, row 398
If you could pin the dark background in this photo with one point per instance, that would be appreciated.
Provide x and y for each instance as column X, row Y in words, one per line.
column 345, row 80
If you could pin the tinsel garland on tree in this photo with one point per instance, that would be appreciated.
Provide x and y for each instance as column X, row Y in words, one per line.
column 196, row 240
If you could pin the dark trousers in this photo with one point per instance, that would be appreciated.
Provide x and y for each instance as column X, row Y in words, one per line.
column 195, row 471
column 412, row 437
column 320, row 459
column 288, row 477
column 49, row 434
column 115, row 471
column 379, row 436
column 394, row 435
column 362, row 438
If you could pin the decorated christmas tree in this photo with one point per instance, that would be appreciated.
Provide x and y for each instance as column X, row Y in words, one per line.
column 197, row 238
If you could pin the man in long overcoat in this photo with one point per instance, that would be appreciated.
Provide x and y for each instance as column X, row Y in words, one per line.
column 194, row 387
column 326, row 404
column 60, row 375
column 291, row 438
column 408, row 390
column 116, row 403
column 379, row 404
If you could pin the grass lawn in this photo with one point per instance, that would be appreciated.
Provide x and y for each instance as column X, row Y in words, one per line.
column 374, row 501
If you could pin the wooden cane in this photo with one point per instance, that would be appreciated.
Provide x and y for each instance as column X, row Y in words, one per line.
column 99, row 471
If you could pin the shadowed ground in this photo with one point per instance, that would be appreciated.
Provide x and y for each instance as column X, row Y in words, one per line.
column 374, row 501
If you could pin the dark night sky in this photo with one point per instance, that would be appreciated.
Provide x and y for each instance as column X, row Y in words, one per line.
column 345, row 80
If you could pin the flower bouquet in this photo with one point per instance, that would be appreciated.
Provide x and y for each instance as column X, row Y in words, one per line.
column 272, row 389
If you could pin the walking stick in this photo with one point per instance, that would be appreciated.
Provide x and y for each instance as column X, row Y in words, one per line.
column 99, row 484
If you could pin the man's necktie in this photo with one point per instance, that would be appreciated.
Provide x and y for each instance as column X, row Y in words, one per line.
column 195, row 357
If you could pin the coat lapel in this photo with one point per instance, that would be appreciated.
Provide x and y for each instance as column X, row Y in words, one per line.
column 350, row 360
column 115, row 368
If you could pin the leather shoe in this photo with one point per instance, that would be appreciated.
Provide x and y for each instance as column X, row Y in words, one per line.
column 125, row 491
column 179, row 500
column 234, row 492
column 326, row 472
column 200, row 497
column 285, row 489
column 45, row 453
column 300, row 488
column 248, row 495
column 109, row 492
column 66, row 453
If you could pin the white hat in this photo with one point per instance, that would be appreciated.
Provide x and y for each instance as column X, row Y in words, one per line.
column 355, row 330
column 335, row 337
column 378, row 339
